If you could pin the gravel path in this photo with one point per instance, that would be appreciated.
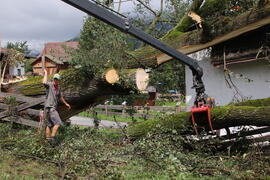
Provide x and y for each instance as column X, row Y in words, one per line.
column 83, row 121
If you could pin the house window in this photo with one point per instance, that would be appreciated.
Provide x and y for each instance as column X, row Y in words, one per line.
column 19, row 73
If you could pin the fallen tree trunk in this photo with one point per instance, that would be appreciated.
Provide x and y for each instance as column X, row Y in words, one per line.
column 222, row 117
column 80, row 90
column 83, row 91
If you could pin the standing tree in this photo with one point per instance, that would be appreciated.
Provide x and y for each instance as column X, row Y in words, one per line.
column 170, row 76
column 13, row 56
column 101, row 47
column 19, row 46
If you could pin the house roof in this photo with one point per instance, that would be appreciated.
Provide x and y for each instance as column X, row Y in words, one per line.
column 56, row 51
column 53, row 59
column 3, row 50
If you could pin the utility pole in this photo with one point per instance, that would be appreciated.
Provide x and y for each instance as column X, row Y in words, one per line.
column 0, row 64
column 43, row 64
column 119, row 6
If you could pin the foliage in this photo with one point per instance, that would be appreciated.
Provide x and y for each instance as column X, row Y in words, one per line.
column 19, row 46
column 16, row 53
column 12, row 57
column 19, row 168
column 215, row 24
column 165, row 103
column 129, row 99
column 72, row 78
column 32, row 86
column 101, row 47
column 213, row 9
column 106, row 154
column 10, row 101
column 28, row 66
column 169, row 76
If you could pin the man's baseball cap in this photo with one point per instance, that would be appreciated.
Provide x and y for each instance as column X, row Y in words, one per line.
column 56, row 76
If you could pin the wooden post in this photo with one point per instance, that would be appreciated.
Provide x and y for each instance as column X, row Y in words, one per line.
column 0, row 64
column 124, row 104
column 147, row 111
column 124, row 110
column 178, row 107
column 43, row 64
column 106, row 107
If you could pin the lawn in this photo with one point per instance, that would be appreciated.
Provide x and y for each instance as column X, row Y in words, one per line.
column 91, row 153
column 22, row 168
column 128, row 117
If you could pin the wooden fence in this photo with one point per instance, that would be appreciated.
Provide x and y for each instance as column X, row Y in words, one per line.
column 137, row 111
column 24, row 105
column 171, row 97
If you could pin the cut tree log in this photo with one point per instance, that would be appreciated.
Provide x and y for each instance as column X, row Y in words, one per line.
column 112, row 76
column 252, row 112
column 130, row 77
column 222, row 117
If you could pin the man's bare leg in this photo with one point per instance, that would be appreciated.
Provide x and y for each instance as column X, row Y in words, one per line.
column 48, row 132
column 54, row 130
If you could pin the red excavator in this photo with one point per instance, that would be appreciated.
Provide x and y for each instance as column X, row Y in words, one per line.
column 202, row 103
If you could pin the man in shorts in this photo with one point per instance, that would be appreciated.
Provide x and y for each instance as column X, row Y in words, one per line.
column 53, row 96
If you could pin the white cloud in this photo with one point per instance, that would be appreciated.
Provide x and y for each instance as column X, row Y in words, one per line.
column 41, row 21
column 38, row 21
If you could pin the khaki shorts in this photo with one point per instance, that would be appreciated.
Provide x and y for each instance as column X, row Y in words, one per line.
column 53, row 117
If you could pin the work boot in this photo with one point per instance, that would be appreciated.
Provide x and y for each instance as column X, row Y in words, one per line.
column 49, row 140
column 54, row 141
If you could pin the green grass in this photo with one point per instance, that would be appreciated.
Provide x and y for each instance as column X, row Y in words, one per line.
column 168, row 103
column 91, row 153
column 19, row 168
column 128, row 118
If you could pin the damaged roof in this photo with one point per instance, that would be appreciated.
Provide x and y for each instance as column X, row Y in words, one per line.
column 57, row 51
column 220, row 31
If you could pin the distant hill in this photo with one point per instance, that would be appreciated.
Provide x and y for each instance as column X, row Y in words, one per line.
column 32, row 54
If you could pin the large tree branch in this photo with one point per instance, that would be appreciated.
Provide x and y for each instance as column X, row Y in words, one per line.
column 152, row 26
column 147, row 7
column 196, row 40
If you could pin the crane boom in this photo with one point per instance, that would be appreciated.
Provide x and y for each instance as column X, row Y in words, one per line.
column 122, row 24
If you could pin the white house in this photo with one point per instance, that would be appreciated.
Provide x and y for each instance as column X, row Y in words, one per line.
column 17, row 70
column 258, row 72
column 12, row 70
column 236, row 69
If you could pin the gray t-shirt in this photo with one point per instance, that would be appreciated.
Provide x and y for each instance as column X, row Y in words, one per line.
column 53, row 95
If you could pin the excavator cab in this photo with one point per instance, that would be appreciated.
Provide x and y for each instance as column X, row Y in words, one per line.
column 201, row 113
